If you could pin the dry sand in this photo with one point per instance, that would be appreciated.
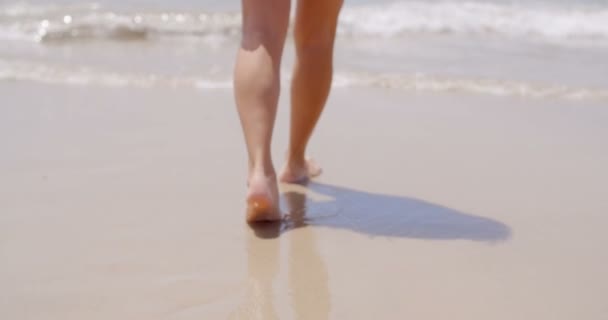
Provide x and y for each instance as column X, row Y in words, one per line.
column 128, row 204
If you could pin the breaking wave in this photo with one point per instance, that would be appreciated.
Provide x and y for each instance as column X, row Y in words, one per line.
column 82, row 76
column 85, row 21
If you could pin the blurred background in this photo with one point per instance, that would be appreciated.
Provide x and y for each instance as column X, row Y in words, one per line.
column 527, row 48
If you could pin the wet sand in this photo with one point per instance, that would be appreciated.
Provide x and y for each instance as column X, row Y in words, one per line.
column 128, row 204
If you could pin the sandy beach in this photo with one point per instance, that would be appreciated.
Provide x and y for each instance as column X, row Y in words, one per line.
column 128, row 204
column 464, row 149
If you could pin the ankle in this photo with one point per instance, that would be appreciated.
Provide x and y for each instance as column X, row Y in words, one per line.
column 295, row 159
column 259, row 171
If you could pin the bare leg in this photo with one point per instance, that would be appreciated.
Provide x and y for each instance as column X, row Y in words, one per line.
column 257, row 85
column 315, row 30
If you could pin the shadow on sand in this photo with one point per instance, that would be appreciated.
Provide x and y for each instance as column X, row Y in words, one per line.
column 322, row 205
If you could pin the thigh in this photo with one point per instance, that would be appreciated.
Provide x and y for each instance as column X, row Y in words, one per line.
column 316, row 21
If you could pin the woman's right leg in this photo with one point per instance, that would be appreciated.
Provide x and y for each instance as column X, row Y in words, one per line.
column 256, row 87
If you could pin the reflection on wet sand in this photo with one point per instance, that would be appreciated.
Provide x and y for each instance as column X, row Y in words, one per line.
column 321, row 205
column 307, row 272
column 308, row 288
column 262, row 267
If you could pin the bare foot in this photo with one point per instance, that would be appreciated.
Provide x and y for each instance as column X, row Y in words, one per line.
column 300, row 172
column 263, row 199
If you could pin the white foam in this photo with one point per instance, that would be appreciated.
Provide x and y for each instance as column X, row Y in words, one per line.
column 26, row 10
column 557, row 22
column 51, row 23
column 83, row 76
column 476, row 18
column 433, row 83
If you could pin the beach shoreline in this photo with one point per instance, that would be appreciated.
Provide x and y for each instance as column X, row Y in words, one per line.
column 128, row 203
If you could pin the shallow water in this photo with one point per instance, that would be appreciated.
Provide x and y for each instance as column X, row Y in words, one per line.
column 521, row 48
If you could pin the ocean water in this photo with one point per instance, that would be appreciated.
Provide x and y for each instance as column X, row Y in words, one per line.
column 531, row 49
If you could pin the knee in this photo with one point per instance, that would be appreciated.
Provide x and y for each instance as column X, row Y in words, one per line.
column 315, row 30
column 316, row 42
column 255, row 36
column 316, row 52
column 264, row 22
